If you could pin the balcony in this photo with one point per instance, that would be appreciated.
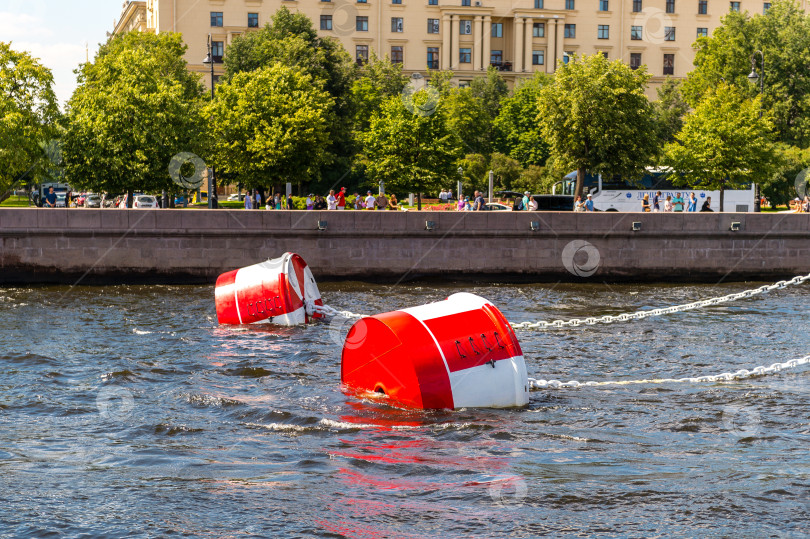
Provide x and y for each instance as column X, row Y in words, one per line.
column 501, row 66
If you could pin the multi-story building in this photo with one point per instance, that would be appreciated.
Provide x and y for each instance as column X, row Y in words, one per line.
column 519, row 37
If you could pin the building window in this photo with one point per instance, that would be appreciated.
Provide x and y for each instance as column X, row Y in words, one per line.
column 669, row 33
column 396, row 54
column 538, row 58
column 433, row 2
column 604, row 5
column 218, row 50
column 396, row 24
column 604, row 55
column 603, row 31
column 539, row 29
column 361, row 24
column 326, row 22
column 253, row 20
column 765, row 7
column 433, row 26
column 702, row 32
column 464, row 56
column 570, row 31
column 465, row 27
column 635, row 60
column 538, row 4
column 362, row 1
column 396, row 1
column 669, row 64
column 568, row 56
column 636, row 6
column 361, row 54
column 635, row 33
column 497, row 29
column 465, row 2
column 703, row 7
column 569, row 4
column 496, row 58
column 670, row 6
column 735, row 6
column 216, row 19
column 433, row 58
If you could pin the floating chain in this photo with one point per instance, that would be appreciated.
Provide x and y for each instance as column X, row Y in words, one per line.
column 608, row 319
column 724, row 377
column 326, row 310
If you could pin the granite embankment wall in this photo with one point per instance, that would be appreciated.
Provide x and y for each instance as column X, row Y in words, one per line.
column 179, row 246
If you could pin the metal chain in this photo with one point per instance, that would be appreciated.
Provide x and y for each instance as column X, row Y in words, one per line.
column 608, row 319
column 724, row 377
column 326, row 310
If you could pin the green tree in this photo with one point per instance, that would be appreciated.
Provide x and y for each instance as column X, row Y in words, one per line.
column 467, row 116
column 136, row 106
column 271, row 125
column 783, row 36
column 669, row 108
column 780, row 187
column 490, row 89
column 409, row 146
column 291, row 39
column 517, row 129
column 723, row 144
column 595, row 117
column 376, row 81
column 28, row 116
column 474, row 170
column 506, row 171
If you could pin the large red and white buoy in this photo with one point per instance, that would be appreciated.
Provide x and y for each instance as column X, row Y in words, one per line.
column 280, row 291
column 456, row 353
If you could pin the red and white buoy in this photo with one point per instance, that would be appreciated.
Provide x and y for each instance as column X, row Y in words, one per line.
column 281, row 291
column 456, row 353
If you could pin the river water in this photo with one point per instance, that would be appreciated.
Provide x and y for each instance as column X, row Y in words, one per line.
column 126, row 411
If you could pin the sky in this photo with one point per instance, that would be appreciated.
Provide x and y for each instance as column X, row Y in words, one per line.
column 59, row 32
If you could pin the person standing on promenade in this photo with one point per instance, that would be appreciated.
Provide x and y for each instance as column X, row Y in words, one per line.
column 393, row 204
column 381, row 201
column 461, row 204
column 50, row 198
column 358, row 202
column 309, row 201
column 480, row 204
column 290, row 204
column 249, row 201
column 320, row 203
column 532, row 204
column 341, row 199
column 525, row 205
column 692, row 202
column 331, row 200
column 257, row 204
column 645, row 203
column 668, row 204
column 443, row 197
column 657, row 201
column 677, row 203
column 589, row 203
column 707, row 206
column 370, row 202
column 579, row 205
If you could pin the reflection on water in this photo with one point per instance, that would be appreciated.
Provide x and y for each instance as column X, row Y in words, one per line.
column 126, row 409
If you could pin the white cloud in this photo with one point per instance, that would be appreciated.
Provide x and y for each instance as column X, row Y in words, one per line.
column 14, row 25
column 62, row 59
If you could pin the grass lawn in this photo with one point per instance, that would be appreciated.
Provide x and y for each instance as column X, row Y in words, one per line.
column 15, row 201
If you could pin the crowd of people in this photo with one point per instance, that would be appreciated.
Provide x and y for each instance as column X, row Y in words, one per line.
column 674, row 204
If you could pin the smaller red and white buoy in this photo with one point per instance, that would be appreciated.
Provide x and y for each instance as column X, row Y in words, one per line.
column 280, row 291
column 456, row 353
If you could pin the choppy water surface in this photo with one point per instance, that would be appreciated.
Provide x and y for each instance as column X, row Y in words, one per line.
column 126, row 411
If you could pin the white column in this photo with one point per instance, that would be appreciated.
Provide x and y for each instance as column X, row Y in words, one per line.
column 454, row 36
column 446, row 29
column 560, row 40
column 476, row 47
column 517, row 55
column 527, row 45
column 487, row 42
column 551, row 39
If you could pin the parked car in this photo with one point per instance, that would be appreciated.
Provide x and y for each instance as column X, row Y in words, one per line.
column 92, row 201
column 544, row 202
column 144, row 202
column 496, row 206
column 234, row 197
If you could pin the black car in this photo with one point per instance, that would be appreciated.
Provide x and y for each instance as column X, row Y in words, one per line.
column 544, row 202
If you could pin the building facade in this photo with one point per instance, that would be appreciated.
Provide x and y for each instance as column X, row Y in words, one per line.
column 518, row 37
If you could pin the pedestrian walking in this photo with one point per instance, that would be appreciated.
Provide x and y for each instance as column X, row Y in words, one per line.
column 310, row 202
column 657, row 201
column 341, row 199
column 677, row 203
column 589, row 203
column 331, row 200
column 248, row 201
column 645, row 203
column 692, row 203
column 370, row 201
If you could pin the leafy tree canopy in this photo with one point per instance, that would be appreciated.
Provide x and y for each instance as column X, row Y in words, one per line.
column 669, row 108
column 517, row 128
column 595, row 117
column 135, row 108
column 28, row 116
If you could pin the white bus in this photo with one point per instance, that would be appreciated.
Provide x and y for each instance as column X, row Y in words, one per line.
column 619, row 195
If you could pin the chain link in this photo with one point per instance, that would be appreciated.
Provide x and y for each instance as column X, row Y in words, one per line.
column 608, row 319
column 724, row 377
column 326, row 310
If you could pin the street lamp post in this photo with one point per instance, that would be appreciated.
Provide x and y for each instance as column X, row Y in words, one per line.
column 753, row 76
column 212, row 185
column 458, row 184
